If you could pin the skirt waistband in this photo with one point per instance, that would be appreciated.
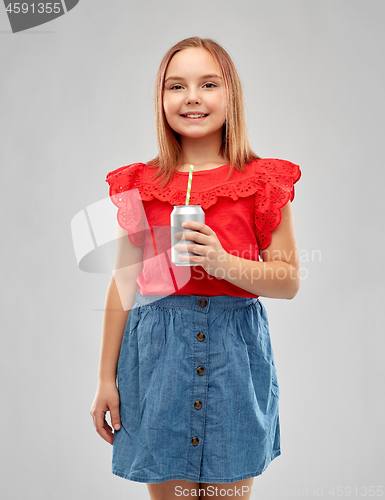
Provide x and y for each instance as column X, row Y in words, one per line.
column 200, row 303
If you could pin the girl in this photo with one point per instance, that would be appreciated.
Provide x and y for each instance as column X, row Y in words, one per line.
column 186, row 365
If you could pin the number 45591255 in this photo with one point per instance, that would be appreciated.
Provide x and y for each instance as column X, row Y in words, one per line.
column 40, row 8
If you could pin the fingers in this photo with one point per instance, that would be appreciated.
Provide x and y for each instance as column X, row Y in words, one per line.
column 115, row 417
column 196, row 236
column 199, row 250
column 102, row 427
column 199, row 226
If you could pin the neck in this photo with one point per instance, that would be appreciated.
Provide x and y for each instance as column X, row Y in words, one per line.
column 200, row 151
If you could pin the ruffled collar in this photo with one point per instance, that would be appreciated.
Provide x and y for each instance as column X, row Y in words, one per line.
column 207, row 185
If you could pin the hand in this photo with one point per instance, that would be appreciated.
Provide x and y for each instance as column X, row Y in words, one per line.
column 211, row 255
column 106, row 399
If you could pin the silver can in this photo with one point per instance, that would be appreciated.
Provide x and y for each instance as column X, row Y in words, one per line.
column 183, row 213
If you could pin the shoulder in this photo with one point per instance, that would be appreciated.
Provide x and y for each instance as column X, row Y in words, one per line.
column 127, row 177
column 276, row 179
column 275, row 168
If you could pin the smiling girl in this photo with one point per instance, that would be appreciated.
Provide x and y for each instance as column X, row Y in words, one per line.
column 186, row 365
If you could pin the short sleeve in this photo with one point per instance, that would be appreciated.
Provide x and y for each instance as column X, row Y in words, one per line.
column 276, row 179
column 125, row 183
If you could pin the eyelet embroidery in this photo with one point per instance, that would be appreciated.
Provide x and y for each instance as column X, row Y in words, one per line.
column 271, row 183
column 130, row 209
column 279, row 177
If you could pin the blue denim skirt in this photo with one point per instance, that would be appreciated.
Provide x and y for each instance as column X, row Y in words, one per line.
column 198, row 390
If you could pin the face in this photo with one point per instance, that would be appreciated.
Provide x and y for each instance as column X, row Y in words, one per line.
column 194, row 85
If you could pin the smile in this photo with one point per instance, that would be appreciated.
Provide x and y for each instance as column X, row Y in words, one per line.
column 194, row 116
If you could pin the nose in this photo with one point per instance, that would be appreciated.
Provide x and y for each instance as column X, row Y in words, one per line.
column 196, row 101
column 193, row 97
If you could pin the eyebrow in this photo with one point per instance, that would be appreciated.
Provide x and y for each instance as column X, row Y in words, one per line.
column 202, row 77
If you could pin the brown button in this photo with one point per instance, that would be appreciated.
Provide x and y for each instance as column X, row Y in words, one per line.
column 200, row 370
column 195, row 440
column 201, row 336
column 203, row 302
column 198, row 405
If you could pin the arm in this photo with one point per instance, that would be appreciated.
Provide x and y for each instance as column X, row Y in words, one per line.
column 114, row 322
column 119, row 301
column 278, row 276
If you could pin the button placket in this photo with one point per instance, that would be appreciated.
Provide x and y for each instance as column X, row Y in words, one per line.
column 200, row 383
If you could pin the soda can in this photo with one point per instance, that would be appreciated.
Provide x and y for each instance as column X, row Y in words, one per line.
column 182, row 213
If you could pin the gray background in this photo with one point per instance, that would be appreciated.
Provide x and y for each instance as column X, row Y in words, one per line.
column 76, row 103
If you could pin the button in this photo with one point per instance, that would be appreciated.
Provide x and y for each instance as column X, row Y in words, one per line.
column 195, row 440
column 201, row 336
column 198, row 405
column 200, row 370
column 203, row 302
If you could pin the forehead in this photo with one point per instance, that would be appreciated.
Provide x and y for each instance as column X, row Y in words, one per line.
column 189, row 61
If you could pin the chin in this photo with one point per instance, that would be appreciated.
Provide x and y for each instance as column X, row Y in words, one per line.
column 198, row 133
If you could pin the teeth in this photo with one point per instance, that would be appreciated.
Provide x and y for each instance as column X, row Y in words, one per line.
column 194, row 116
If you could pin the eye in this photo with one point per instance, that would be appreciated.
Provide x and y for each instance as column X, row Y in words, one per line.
column 177, row 86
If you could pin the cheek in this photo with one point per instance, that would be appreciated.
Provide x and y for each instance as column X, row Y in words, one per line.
column 170, row 105
column 220, row 104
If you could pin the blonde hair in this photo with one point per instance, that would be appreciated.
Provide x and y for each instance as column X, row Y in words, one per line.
column 235, row 144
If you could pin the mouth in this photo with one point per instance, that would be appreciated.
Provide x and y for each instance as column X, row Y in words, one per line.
column 195, row 116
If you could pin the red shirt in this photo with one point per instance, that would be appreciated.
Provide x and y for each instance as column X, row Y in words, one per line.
column 243, row 211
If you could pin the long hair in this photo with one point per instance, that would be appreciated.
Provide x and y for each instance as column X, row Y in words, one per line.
column 235, row 144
